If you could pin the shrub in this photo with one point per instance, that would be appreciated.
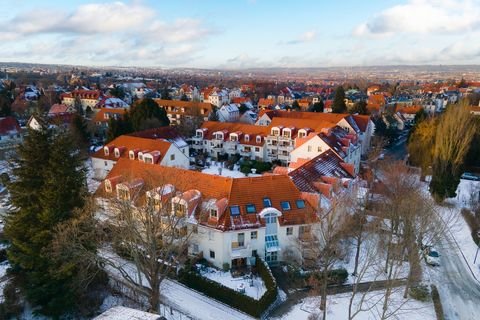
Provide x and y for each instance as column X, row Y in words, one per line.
column 231, row 297
column 226, row 266
column 337, row 276
column 420, row 293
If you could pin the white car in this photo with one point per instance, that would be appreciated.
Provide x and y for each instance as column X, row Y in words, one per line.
column 432, row 257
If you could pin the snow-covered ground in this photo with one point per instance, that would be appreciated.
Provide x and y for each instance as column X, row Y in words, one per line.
column 217, row 168
column 254, row 288
column 371, row 263
column 91, row 182
column 181, row 298
column 337, row 307
column 3, row 277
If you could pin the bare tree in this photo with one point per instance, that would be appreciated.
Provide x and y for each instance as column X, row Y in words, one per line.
column 150, row 227
column 321, row 247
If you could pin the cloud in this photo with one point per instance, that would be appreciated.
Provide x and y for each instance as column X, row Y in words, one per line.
column 423, row 17
column 307, row 36
column 111, row 33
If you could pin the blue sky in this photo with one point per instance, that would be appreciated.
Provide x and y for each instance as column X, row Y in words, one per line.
column 241, row 33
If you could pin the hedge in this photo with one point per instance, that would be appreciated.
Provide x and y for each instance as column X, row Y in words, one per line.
column 231, row 297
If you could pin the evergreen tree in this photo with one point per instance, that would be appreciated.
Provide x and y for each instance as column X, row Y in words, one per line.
column 166, row 94
column 49, row 184
column 295, row 105
column 339, row 105
column 147, row 110
column 360, row 107
column 213, row 116
column 317, row 106
column 79, row 132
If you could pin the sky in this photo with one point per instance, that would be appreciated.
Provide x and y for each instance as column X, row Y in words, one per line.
column 238, row 34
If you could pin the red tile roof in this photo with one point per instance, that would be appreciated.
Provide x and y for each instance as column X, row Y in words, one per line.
column 100, row 115
column 133, row 143
column 237, row 191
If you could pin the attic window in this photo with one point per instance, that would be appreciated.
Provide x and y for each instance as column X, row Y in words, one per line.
column 286, row 133
column 285, row 205
column 259, row 139
column 247, row 138
column 301, row 134
column 234, row 210
column 213, row 213
column 275, row 132
column 251, row 208
column 117, row 153
column 300, row 204
column 267, row 202
column 106, row 150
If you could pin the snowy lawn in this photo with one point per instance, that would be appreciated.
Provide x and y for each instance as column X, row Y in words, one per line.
column 337, row 307
column 181, row 298
column 3, row 279
column 217, row 168
column 91, row 182
column 254, row 288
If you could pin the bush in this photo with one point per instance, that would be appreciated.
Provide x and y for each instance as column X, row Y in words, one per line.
column 337, row 276
column 231, row 297
column 420, row 293
column 226, row 266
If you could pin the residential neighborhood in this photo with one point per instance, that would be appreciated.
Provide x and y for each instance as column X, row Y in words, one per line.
column 171, row 160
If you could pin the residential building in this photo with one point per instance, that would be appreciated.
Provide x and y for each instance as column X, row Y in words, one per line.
column 57, row 109
column 103, row 116
column 168, row 133
column 178, row 111
column 154, row 151
column 217, row 138
column 87, row 98
column 228, row 113
column 231, row 219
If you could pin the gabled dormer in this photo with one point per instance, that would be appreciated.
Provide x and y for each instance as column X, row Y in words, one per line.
column 118, row 151
column 127, row 191
column 111, row 183
column 107, row 150
column 258, row 139
column 151, row 157
column 247, row 138
column 275, row 131
column 141, row 154
column 132, row 154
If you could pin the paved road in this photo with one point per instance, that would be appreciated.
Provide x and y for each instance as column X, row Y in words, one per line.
column 398, row 150
column 459, row 291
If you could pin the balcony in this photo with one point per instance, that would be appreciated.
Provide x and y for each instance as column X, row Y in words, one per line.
column 284, row 157
column 238, row 245
column 240, row 250
column 197, row 138
column 246, row 153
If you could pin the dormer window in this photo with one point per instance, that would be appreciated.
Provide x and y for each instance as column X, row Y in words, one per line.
column 287, row 133
column 302, row 133
column 233, row 137
column 213, row 213
column 199, row 134
column 123, row 193
column 247, row 138
column 275, row 132
column 259, row 139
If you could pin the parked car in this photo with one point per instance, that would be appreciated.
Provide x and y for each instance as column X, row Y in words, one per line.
column 470, row 176
column 381, row 156
column 432, row 257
